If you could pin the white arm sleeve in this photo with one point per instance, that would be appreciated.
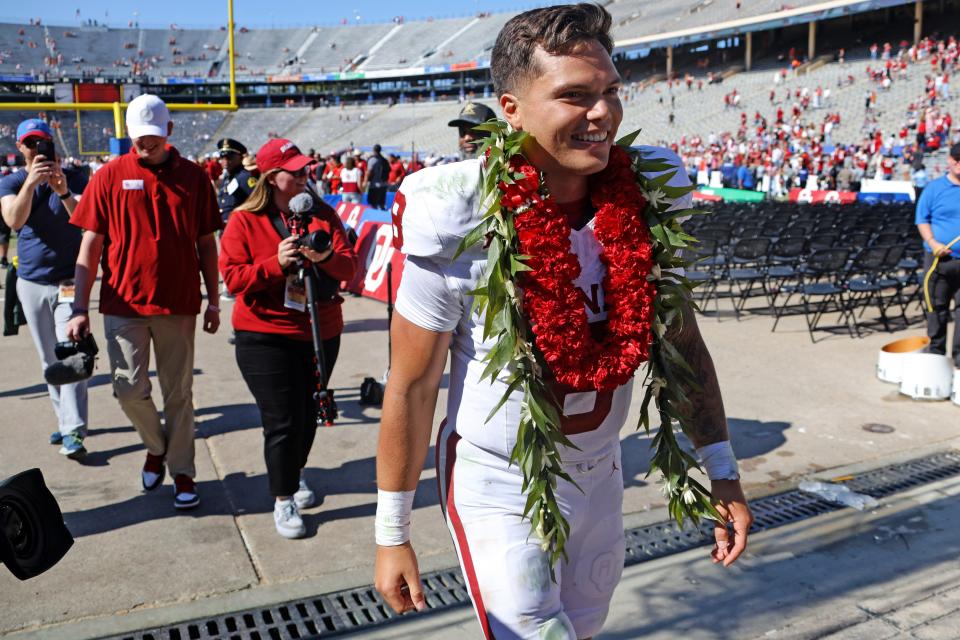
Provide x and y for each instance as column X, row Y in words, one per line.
column 427, row 297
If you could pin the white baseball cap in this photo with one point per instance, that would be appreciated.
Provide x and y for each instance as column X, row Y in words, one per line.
column 147, row 115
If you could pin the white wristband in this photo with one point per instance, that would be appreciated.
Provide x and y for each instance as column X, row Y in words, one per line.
column 392, row 524
column 719, row 461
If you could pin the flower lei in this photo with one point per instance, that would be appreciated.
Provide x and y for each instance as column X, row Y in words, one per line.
column 553, row 303
column 536, row 315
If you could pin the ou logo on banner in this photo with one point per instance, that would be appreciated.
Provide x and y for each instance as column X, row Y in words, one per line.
column 353, row 220
column 379, row 258
column 350, row 213
column 805, row 196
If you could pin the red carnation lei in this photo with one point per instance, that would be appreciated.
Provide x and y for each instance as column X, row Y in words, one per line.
column 554, row 305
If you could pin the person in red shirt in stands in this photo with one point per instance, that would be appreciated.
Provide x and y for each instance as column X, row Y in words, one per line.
column 272, row 323
column 332, row 176
column 153, row 217
column 414, row 165
column 325, row 173
column 360, row 161
column 397, row 171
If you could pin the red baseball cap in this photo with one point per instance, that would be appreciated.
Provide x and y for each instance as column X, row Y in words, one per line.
column 280, row 153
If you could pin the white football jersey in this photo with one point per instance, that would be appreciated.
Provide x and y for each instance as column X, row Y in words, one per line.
column 434, row 210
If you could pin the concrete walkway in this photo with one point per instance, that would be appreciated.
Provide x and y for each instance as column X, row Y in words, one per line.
column 890, row 573
column 795, row 410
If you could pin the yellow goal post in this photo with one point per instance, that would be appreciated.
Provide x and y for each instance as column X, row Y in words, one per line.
column 118, row 107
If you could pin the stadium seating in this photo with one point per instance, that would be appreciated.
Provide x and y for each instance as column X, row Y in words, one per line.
column 267, row 51
column 335, row 48
column 253, row 127
column 477, row 42
column 193, row 131
column 413, row 43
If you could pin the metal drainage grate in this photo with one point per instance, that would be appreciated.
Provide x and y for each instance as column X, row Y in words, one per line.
column 340, row 613
column 884, row 481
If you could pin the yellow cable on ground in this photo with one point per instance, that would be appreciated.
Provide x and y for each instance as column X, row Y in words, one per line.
column 926, row 278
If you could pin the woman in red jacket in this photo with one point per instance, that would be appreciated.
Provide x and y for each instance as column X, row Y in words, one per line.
column 273, row 338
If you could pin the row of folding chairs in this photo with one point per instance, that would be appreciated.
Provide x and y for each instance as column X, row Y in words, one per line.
column 794, row 274
column 857, row 235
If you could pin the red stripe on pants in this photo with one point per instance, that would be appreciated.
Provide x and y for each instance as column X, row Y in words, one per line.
column 454, row 519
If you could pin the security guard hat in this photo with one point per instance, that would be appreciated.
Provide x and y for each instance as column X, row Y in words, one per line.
column 473, row 113
column 229, row 145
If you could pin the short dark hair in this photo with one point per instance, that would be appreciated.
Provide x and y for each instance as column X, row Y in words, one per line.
column 376, row 148
column 955, row 154
column 558, row 30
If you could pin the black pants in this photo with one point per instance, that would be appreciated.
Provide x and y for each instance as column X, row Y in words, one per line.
column 281, row 375
column 944, row 287
column 377, row 196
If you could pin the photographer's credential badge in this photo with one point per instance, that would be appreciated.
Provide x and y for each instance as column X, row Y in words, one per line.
column 66, row 292
column 295, row 294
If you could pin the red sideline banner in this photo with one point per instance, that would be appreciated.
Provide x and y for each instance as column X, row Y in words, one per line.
column 375, row 250
column 807, row 196
column 350, row 213
column 706, row 197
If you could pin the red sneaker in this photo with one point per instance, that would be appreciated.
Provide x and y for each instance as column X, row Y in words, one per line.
column 153, row 472
column 185, row 492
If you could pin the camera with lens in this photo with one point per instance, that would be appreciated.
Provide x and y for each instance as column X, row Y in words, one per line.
column 33, row 536
column 318, row 240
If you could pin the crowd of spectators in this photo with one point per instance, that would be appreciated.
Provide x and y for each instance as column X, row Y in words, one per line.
column 797, row 138
column 800, row 133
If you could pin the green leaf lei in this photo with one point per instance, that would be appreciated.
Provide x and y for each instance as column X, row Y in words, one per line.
column 499, row 299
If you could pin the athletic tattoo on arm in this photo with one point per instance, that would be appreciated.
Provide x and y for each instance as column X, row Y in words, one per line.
column 705, row 406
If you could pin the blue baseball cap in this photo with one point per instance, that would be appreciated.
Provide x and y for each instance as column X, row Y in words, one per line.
column 33, row 127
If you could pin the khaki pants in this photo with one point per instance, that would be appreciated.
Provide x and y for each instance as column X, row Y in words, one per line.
column 128, row 346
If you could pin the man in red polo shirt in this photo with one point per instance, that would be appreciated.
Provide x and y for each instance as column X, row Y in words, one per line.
column 149, row 217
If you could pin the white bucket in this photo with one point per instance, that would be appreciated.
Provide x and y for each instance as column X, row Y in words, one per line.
column 956, row 387
column 890, row 357
column 926, row 376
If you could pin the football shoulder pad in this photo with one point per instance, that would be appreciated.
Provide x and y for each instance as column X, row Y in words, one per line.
column 436, row 208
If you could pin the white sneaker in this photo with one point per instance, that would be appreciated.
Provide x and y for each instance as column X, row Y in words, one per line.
column 287, row 519
column 304, row 497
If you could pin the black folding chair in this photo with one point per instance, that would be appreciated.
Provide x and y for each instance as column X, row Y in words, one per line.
column 888, row 238
column 745, row 268
column 822, row 288
column 866, row 283
column 782, row 263
column 857, row 239
column 823, row 241
column 708, row 259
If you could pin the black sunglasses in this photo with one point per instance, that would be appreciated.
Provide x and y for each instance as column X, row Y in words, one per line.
column 300, row 173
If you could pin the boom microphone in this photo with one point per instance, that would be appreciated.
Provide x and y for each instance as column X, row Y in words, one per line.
column 71, row 369
column 75, row 361
column 301, row 204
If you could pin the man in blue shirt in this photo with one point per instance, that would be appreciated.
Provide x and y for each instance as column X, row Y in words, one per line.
column 37, row 202
column 729, row 172
column 938, row 220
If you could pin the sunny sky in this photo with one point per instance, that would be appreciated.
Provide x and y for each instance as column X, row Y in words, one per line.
column 248, row 13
